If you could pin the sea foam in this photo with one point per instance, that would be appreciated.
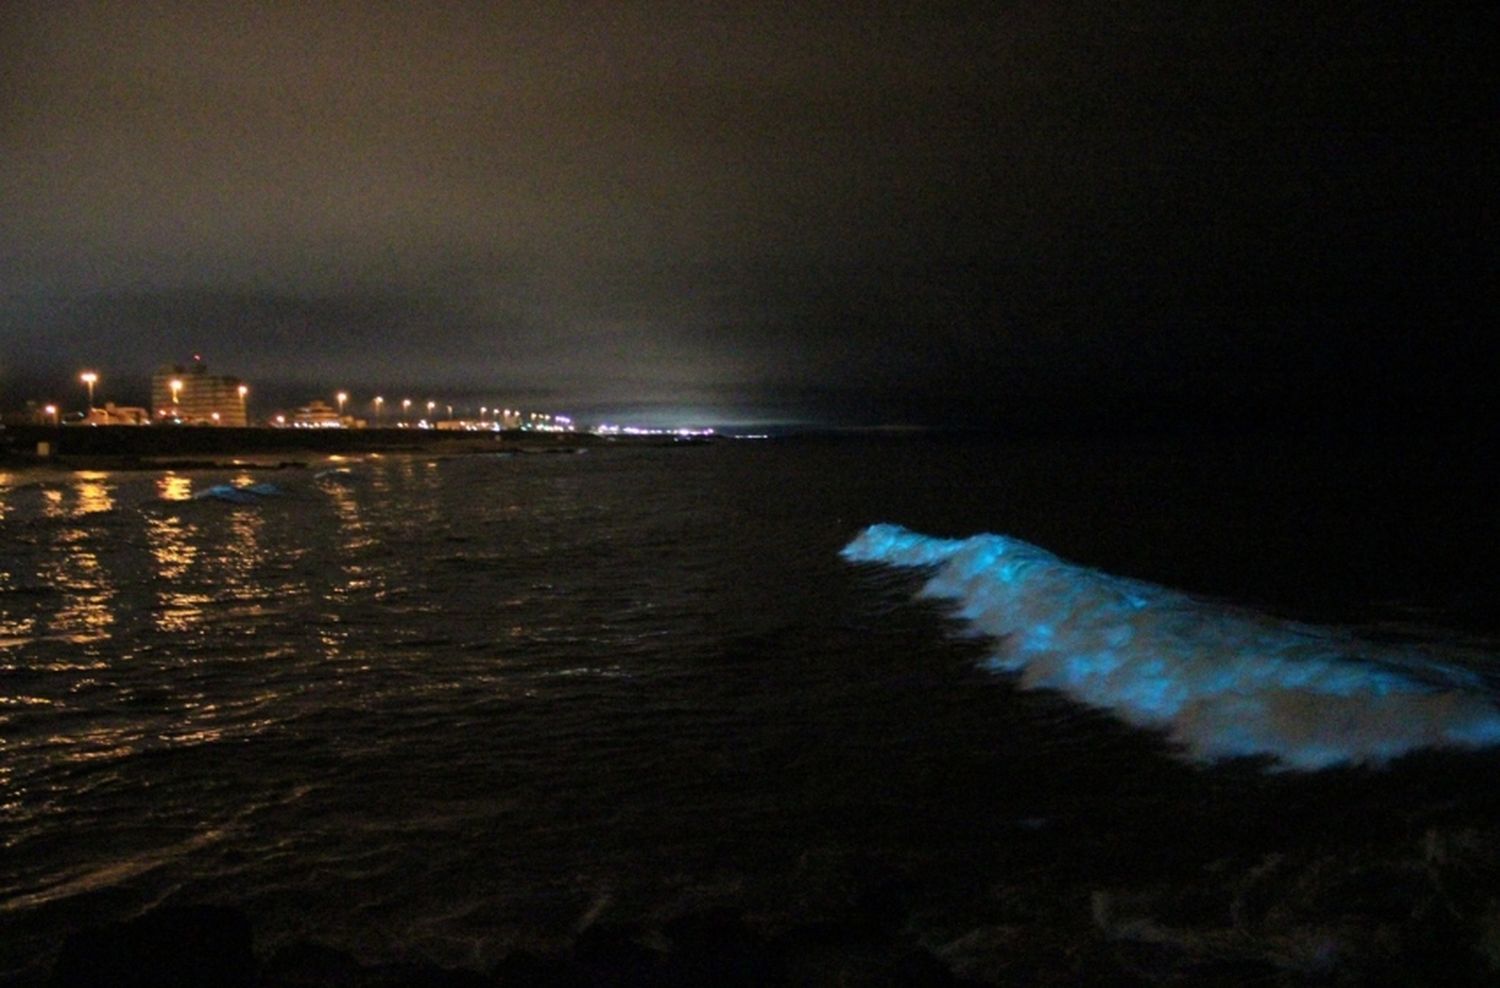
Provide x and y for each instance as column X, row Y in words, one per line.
column 1220, row 683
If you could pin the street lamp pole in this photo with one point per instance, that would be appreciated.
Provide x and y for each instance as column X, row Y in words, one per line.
column 378, row 402
column 89, row 378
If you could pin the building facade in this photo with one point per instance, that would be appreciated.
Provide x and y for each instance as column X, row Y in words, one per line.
column 189, row 394
column 112, row 414
column 314, row 415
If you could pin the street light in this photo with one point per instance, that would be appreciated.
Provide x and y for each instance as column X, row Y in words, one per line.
column 342, row 397
column 405, row 408
column 89, row 378
column 51, row 411
column 430, row 406
column 378, row 402
column 176, row 386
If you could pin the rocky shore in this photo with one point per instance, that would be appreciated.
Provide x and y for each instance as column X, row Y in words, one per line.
column 208, row 946
column 1363, row 914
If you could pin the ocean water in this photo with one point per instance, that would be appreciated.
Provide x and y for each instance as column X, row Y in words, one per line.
column 446, row 708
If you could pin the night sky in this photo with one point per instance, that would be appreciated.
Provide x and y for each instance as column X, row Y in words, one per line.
column 1006, row 215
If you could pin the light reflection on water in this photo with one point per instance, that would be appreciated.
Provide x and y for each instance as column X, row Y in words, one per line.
column 75, row 569
column 498, row 685
column 174, row 487
column 53, row 503
column 172, row 546
column 94, row 493
column 243, row 555
column 179, row 612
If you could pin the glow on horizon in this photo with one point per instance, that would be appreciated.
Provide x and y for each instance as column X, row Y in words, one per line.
column 606, row 429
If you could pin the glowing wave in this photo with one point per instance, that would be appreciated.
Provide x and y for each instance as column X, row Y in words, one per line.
column 1220, row 683
column 237, row 493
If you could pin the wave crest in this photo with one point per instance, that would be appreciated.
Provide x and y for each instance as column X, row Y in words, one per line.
column 1220, row 683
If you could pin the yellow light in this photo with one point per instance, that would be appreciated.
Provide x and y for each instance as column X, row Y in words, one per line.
column 89, row 378
column 243, row 391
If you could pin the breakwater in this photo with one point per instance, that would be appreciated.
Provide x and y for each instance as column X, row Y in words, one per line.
column 126, row 442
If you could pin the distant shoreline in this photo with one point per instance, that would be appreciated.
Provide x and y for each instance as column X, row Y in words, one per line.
column 187, row 447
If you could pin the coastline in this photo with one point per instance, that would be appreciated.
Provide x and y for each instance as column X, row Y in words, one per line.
column 190, row 447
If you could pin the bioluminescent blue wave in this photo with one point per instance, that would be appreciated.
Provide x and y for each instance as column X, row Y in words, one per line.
column 1221, row 683
column 237, row 493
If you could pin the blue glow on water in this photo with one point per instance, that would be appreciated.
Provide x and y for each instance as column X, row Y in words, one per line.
column 1220, row 683
column 237, row 493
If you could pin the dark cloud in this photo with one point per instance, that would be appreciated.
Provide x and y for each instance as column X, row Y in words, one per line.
column 915, row 210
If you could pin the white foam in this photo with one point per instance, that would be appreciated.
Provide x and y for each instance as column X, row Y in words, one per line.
column 1220, row 683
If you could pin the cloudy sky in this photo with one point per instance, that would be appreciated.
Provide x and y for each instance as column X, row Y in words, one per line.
column 993, row 213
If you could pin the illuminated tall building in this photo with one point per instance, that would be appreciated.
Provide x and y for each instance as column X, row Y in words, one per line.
column 190, row 394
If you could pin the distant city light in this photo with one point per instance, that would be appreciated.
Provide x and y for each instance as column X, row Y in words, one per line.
column 605, row 429
column 197, row 398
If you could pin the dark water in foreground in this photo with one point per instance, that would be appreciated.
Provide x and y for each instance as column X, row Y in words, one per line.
column 447, row 708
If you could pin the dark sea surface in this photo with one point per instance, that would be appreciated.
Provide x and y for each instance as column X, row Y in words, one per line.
column 447, row 708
